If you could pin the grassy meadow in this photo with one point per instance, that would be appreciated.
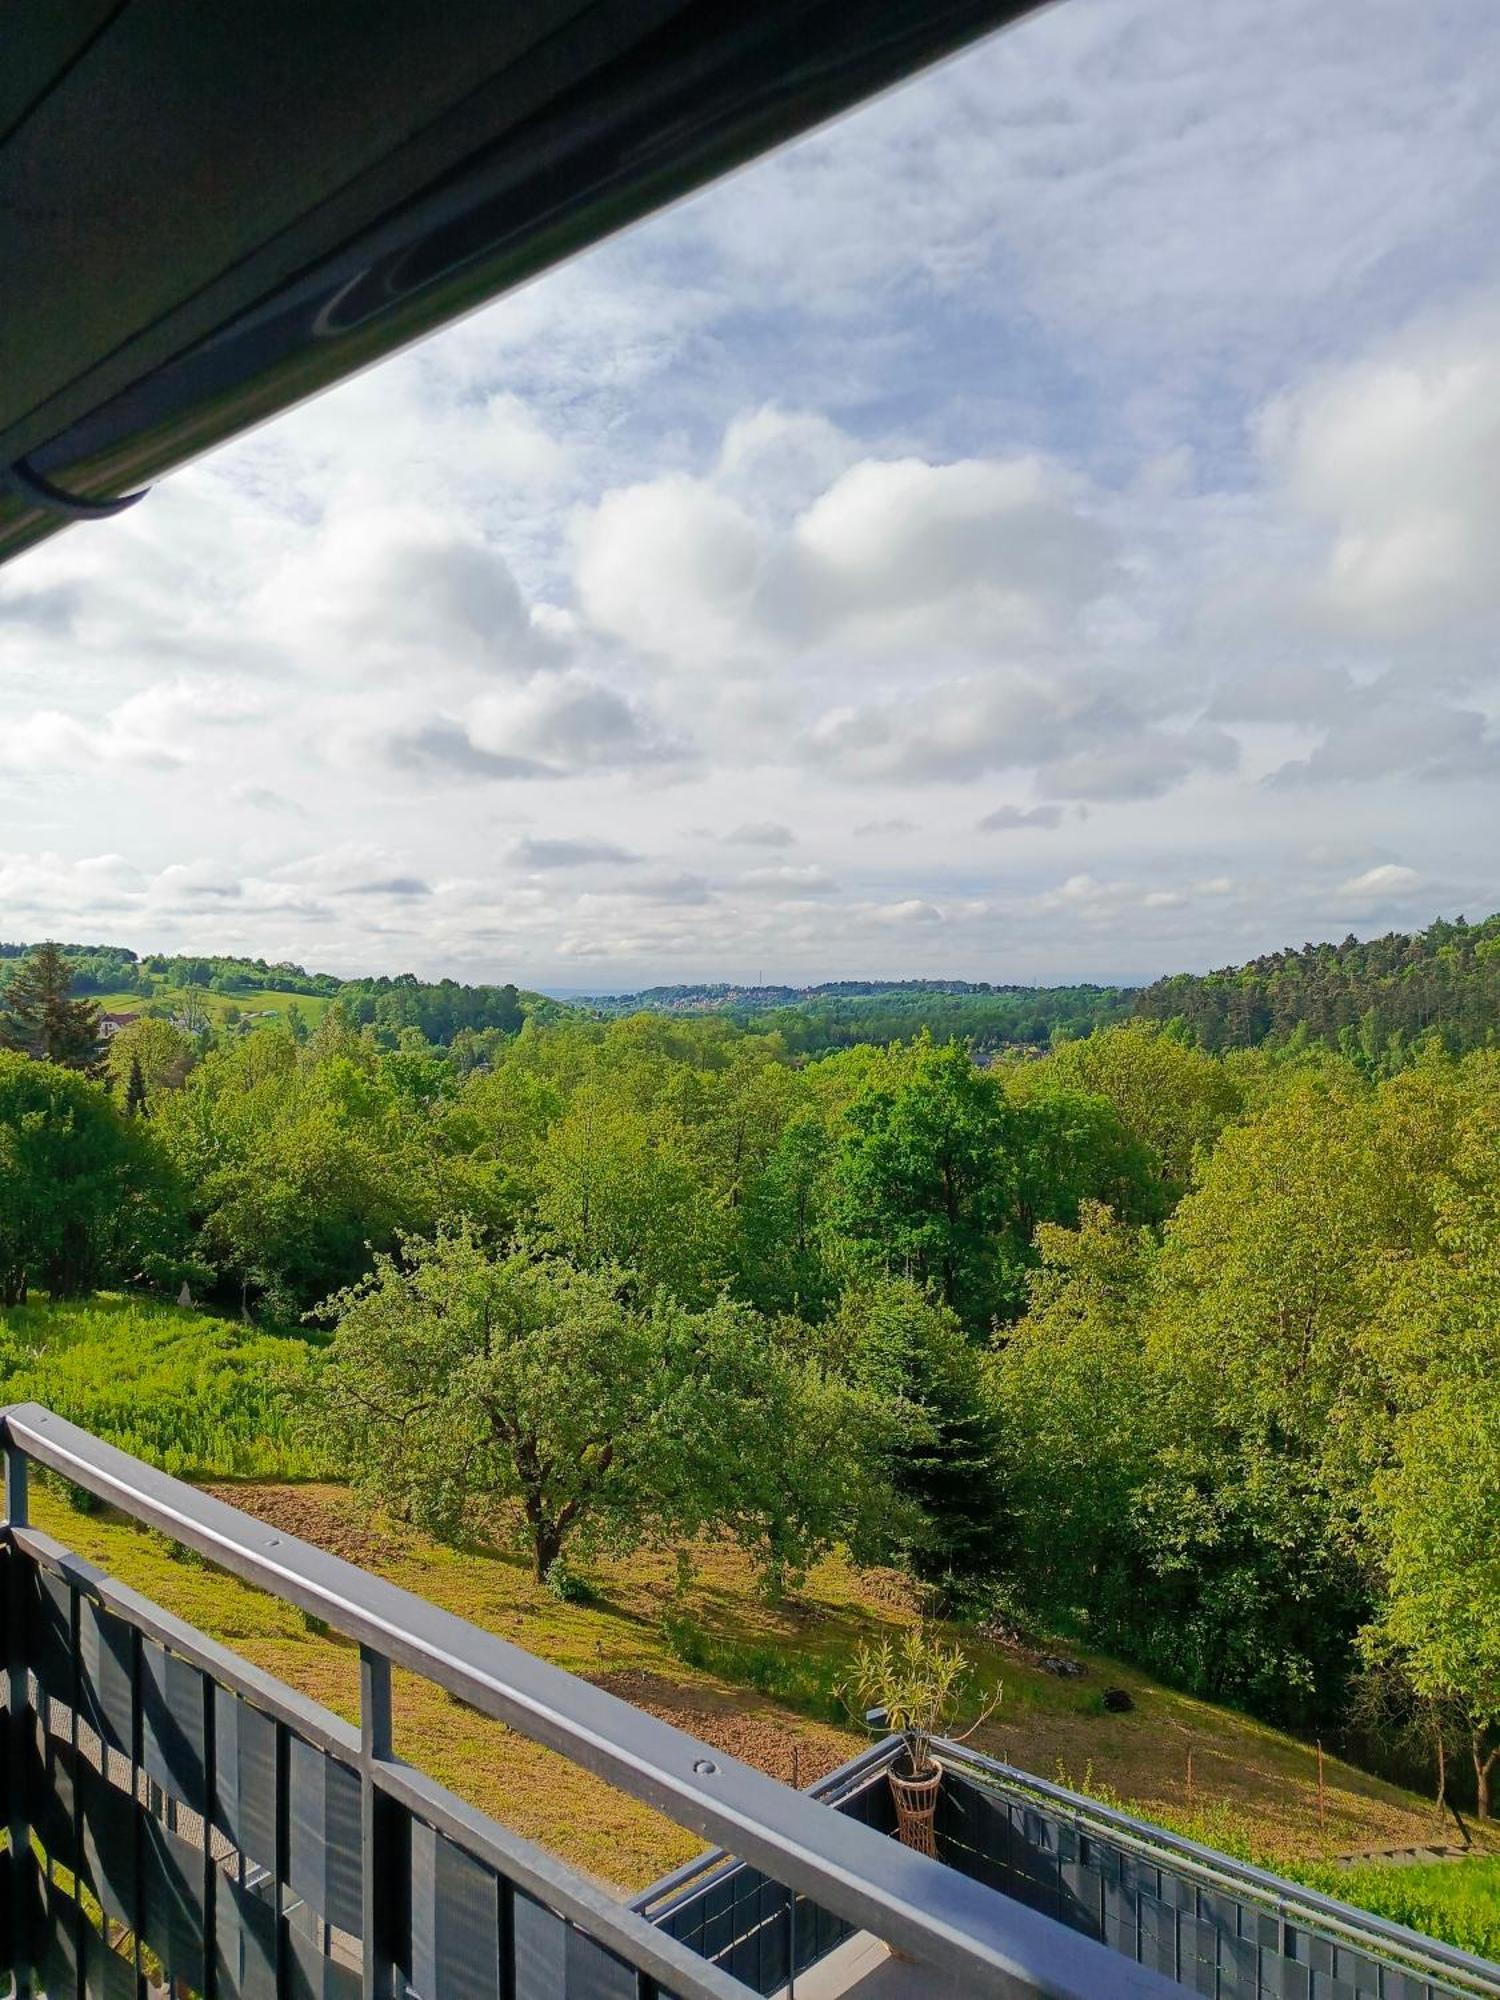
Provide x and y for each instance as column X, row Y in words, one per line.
column 251, row 1003
column 198, row 1395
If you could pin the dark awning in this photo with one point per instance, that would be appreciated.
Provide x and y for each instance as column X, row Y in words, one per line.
column 210, row 211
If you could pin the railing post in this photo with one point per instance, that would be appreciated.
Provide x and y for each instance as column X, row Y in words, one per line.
column 374, row 1747
column 20, row 1829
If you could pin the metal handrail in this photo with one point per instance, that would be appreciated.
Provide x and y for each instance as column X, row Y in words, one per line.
column 524, row 1865
column 830, row 1790
column 939, row 1917
column 1290, row 1900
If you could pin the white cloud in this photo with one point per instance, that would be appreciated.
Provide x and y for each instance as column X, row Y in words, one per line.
column 1388, row 878
column 157, row 728
column 788, row 881
column 1398, row 453
column 894, row 555
column 399, row 590
column 551, row 727
column 759, row 833
column 1130, row 453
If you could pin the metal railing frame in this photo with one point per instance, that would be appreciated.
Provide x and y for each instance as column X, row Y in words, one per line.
column 1307, row 1908
column 938, row 1917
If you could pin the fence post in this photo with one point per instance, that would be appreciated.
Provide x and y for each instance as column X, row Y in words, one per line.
column 374, row 1746
column 20, row 1830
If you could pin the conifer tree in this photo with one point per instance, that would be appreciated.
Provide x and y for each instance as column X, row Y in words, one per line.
column 38, row 1019
column 135, row 1092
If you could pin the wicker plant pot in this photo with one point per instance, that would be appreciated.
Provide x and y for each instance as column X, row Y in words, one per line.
column 916, row 1806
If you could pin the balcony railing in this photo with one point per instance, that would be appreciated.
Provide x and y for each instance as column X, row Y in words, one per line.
column 1213, row 1925
column 180, row 1820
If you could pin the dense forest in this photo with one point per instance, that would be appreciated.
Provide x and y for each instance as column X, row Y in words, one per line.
column 839, row 1013
column 1374, row 1000
column 1194, row 1354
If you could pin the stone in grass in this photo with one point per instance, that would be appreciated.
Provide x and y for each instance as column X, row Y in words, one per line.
column 1064, row 1668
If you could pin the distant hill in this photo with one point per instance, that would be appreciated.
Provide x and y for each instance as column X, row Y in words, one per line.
column 842, row 1011
column 1372, row 998
column 122, row 982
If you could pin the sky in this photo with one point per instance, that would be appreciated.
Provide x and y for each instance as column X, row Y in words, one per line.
column 1045, row 525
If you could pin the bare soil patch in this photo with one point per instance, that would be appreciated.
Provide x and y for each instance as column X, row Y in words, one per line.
column 792, row 1749
column 326, row 1516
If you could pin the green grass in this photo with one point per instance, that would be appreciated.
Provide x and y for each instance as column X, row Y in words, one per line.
column 1458, row 1901
column 311, row 1006
column 756, row 1679
column 197, row 1395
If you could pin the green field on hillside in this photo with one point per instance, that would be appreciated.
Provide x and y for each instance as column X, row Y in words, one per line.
column 251, row 1003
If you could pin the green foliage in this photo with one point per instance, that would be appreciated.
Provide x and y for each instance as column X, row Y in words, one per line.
column 619, row 1185
column 800, row 1679
column 921, row 1683
column 1225, row 1447
column 161, row 1053
column 945, row 1458
column 565, row 1584
column 1434, row 1504
column 1456, row 1901
column 1192, row 1355
column 304, row 1160
column 1171, row 1098
column 1375, row 1001
column 812, row 1020
column 84, row 1192
column 458, row 1379
column 38, row 1019
column 198, row 1396
column 927, row 1181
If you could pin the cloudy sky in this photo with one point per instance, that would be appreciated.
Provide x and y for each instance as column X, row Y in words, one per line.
column 1044, row 525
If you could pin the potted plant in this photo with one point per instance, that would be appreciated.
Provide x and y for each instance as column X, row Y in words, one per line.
column 915, row 1686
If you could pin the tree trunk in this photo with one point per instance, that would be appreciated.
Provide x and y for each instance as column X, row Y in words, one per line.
column 1484, row 1764
column 546, row 1546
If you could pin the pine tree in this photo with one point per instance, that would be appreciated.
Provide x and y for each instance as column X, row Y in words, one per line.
column 38, row 1019
column 135, row 1092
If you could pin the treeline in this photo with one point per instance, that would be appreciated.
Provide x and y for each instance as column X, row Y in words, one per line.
column 1376, row 1000
column 812, row 1020
column 110, row 968
column 988, row 1020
